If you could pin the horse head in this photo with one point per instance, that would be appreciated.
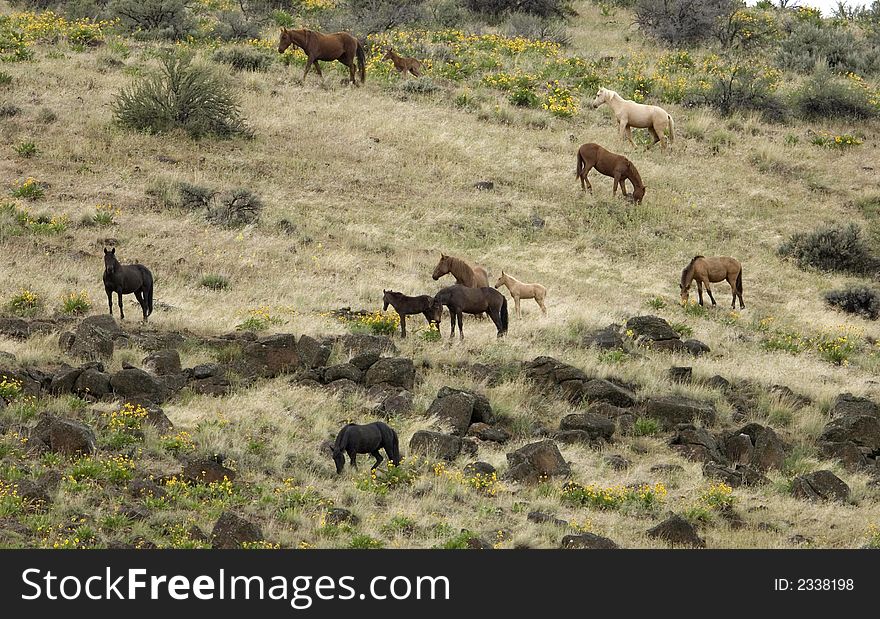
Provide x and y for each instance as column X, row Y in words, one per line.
column 288, row 38
column 602, row 96
column 388, row 54
column 339, row 459
column 442, row 267
column 110, row 261
column 500, row 281
column 435, row 312
column 386, row 299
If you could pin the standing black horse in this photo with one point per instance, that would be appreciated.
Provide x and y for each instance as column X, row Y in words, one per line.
column 128, row 279
column 354, row 439
column 462, row 299
column 406, row 306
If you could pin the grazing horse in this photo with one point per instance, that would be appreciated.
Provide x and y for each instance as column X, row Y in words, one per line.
column 317, row 46
column 128, row 279
column 403, row 64
column 465, row 274
column 631, row 114
column 406, row 306
column 711, row 270
column 462, row 299
column 354, row 439
column 610, row 164
column 519, row 290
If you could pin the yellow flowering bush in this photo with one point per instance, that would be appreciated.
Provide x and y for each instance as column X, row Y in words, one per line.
column 840, row 142
column 643, row 498
column 559, row 101
column 262, row 317
column 25, row 303
column 11, row 503
column 76, row 303
column 178, row 443
column 10, row 388
column 487, row 484
column 49, row 27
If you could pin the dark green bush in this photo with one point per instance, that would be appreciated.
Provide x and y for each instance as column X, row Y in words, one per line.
column 827, row 96
column 159, row 19
column 830, row 248
column 808, row 44
column 180, row 95
column 245, row 58
column 682, row 22
column 195, row 197
column 239, row 207
column 541, row 8
column 236, row 26
column 859, row 300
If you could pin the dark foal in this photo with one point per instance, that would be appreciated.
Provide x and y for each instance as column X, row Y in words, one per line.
column 464, row 300
column 407, row 306
column 128, row 279
column 355, row 439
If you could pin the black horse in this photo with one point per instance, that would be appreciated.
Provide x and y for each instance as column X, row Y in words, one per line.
column 463, row 299
column 128, row 279
column 356, row 439
column 406, row 306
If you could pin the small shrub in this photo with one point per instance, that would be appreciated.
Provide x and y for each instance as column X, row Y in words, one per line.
column 214, row 282
column 838, row 142
column 559, row 101
column 180, row 96
column 105, row 215
column 244, row 58
column 46, row 116
column 524, row 97
column 643, row 497
column 259, row 319
column 26, row 149
column 25, row 303
column 431, row 334
column 378, row 323
column 239, row 207
column 76, row 303
column 157, row 19
column 10, row 388
column 825, row 96
column 830, row 248
column 646, row 426
column 236, row 26
column 859, row 300
column 657, row 303
column 5, row 79
column 30, row 189
column 423, row 85
column 541, row 8
column 683, row 22
column 195, row 196
column 364, row 542
column 810, row 43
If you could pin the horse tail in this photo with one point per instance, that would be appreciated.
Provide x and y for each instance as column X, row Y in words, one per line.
column 362, row 61
column 394, row 456
column 148, row 293
column 671, row 128
column 739, row 281
column 580, row 165
column 504, row 316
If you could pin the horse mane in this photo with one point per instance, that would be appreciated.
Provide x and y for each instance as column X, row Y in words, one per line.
column 340, row 438
column 689, row 268
column 458, row 263
column 635, row 177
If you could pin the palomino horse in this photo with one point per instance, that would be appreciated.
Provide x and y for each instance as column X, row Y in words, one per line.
column 610, row 164
column 710, row 270
column 317, row 46
column 406, row 306
column 465, row 274
column 631, row 114
column 462, row 299
column 519, row 290
column 403, row 64
column 128, row 279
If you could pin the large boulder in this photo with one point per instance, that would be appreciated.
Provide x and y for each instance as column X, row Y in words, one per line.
column 588, row 541
column 359, row 343
column 207, row 471
column 93, row 382
column 652, row 328
column 536, row 461
column 608, row 338
column 393, row 371
column 435, row 445
column 596, row 426
column 347, row 371
column 485, row 432
column 600, row 390
column 847, row 404
column 135, row 385
column 268, row 357
column 231, row 531
column 696, row 444
column 163, row 362
column 64, row 380
column 820, row 486
column 312, row 353
column 93, row 339
column 454, row 411
column 14, row 328
column 65, row 436
column 673, row 410
column 676, row 531
column 738, row 475
column 482, row 412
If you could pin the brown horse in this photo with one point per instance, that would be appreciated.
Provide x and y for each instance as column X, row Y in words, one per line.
column 465, row 274
column 403, row 64
column 610, row 164
column 317, row 46
column 406, row 306
column 463, row 299
column 711, row 270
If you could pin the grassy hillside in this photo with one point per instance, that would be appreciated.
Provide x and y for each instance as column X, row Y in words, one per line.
column 363, row 188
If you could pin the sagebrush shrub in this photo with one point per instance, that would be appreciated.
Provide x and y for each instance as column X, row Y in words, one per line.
column 237, row 208
column 682, row 22
column 244, row 58
column 195, row 196
column 236, row 26
column 859, row 300
column 181, row 95
column 826, row 96
column 808, row 43
column 830, row 248
column 159, row 19
column 541, row 8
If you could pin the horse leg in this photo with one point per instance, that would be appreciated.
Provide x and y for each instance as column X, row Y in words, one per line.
column 516, row 302
column 653, row 131
column 318, row 71
column 351, row 73
column 614, row 189
column 733, row 291
column 403, row 325
column 352, row 455
column 586, row 181
column 540, row 303
column 121, row 313
column 459, row 315
column 309, row 62
column 139, row 295
column 110, row 300
column 700, row 291
column 709, row 292
column 495, row 315
column 452, row 320
column 378, row 457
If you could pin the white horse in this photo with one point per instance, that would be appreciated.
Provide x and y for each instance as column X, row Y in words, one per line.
column 631, row 114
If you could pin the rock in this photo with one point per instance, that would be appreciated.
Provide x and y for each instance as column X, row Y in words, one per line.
column 313, row 354
column 477, row 543
column 600, row 390
column 696, row 444
column 394, row 371
column 785, row 394
column 398, row 403
column 157, row 418
column 469, row 447
column 65, row 435
column 536, row 461
column 32, row 492
column 677, row 531
column 616, row 462
column 435, row 445
column 217, row 385
column 849, row 454
column 137, row 386
column 347, row 371
column 143, row 488
column 670, row 346
column 454, row 411
column 359, row 343
column 860, row 429
column 847, row 404
column 667, row 468
column 94, row 338
column 652, row 328
column 740, row 475
column 718, row 382
column 588, row 541
column 482, row 412
column 365, row 360
column 696, row 347
column 343, row 386
column 484, row 185
column 268, row 357
column 14, row 328
column 485, row 432
column 479, row 468
column 542, row 518
column 163, row 363
column 207, row 370
column 231, row 531
column 679, row 374
column 206, row 471
column 338, row 515
column 66, row 340
column 537, row 221
column 673, row 410
column 820, row 485
column 739, row 448
column 769, row 450
column 64, row 380
column 92, row 382
column 596, row 426
column 608, row 338
column 578, row 436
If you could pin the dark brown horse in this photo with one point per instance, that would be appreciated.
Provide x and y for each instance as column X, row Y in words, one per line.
column 710, row 270
column 129, row 279
column 407, row 306
column 402, row 64
column 610, row 164
column 317, row 46
column 464, row 300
